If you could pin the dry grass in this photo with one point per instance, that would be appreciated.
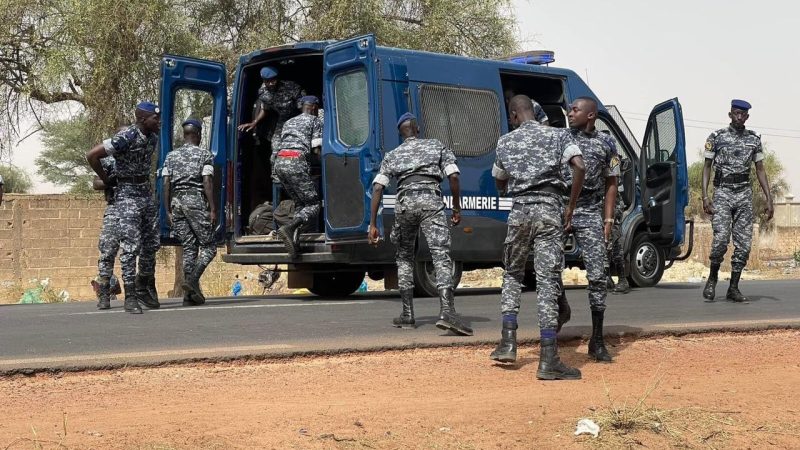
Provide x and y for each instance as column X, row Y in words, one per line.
column 38, row 443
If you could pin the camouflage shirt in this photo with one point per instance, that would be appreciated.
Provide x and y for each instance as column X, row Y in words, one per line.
column 282, row 101
column 733, row 151
column 426, row 157
column 302, row 132
column 133, row 155
column 538, row 112
column 108, row 168
column 531, row 158
column 186, row 166
column 601, row 160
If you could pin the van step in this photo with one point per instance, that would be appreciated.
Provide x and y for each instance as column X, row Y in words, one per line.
column 264, row 238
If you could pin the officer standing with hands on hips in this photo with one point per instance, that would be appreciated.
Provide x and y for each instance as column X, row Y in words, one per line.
column 301, row 140
column 528, row 168
column 133, row 150
column 191, row 211
column 731, row 151
column 419, row 165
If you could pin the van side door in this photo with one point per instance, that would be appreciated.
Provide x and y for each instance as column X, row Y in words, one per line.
column 198, row 88
column 351, row 136
column 663, row 175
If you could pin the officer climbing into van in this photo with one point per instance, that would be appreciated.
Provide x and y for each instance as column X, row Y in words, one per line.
column 301, row 140
column 419, row 165
column 594, row 215
column 528, row 168
column 278, row 97
column 731, row 151
column 132, row 150
column 191, row 211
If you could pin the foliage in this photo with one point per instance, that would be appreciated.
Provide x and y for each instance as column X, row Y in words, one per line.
column 778, row 186
column 63, row 161
column 15, row 180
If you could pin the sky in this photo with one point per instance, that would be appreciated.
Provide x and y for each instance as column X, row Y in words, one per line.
column 635, row 54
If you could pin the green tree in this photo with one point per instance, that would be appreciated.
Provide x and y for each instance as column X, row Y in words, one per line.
column 15, row 179
column 63, row 161
column 778, row 186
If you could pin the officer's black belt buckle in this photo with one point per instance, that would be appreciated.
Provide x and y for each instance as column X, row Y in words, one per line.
column 133, row 180
column 734, row 178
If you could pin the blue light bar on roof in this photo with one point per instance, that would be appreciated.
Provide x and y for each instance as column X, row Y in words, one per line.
column 536, row 57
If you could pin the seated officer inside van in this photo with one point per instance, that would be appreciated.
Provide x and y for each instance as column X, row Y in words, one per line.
column 538, row 111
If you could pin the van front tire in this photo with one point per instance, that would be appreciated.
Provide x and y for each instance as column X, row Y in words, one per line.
column 425, row 278
column 647, row 262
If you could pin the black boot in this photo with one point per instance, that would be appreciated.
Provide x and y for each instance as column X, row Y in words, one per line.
column 143, row 293
column 734, row 294
column 103, row 294
column 622, row 286
column 550, row 365
column 448, row 318
column 289, row 235
column 709, row 292
column 406, row 319
column 597, row 346
column 131, row 302
column 506, row 350
column 191, row 284
column 564, row 311
column 609, row 281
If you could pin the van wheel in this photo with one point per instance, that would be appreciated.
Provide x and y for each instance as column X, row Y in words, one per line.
column 529, row 280
column 425, row 279
column 647, row 262
column 336, row 284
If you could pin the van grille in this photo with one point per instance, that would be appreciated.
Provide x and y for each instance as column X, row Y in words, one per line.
column 466, row 120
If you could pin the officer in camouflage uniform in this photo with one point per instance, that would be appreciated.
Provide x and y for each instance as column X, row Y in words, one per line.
column 731, row 151
column 594, row 216
column 528, row 168
column 419, row 165
column 301, row 140
column 191, row 211
column 615, row 251
column 109, row 238
column 279, row 98
column 538, row 112
column 132, row 150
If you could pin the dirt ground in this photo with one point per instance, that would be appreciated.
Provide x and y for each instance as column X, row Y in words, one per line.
column 696, row 391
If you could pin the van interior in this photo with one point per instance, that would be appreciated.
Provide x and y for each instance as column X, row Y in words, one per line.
column 547, row 91
column 254, row 148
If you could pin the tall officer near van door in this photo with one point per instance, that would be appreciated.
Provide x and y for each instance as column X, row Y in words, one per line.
column 132, row 150
column 189, row 199
column 594, row 215
column 278, row 97
column 731, row 151
column 528, row 168
column 301, row 139
column 419, row 165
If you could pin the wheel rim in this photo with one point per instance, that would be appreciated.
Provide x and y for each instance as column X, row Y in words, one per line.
column 647, row 260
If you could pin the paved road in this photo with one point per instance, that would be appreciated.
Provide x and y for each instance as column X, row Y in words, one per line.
column 76, row 335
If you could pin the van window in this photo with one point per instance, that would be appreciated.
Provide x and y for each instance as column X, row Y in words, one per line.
column 352, row 108
column 466, row 120
column 602, row 126
column 662, row 141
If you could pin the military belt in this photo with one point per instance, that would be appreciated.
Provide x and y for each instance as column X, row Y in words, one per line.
column 290, row 154
column 419, row 179
column 546, row 189
column 134, row 180
column 405, row 192
column 734, row 178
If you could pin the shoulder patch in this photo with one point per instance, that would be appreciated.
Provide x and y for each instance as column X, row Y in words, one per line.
column 614, row 162
column 709, row 145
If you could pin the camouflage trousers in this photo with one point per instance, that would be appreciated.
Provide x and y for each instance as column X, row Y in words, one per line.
column 536, row 227
column 733, row 215
column 587, row 226
column 615, row 251
column 138, row 235
column 192, row 225
column 295, row 176
column 108, row 245
column 417, row 211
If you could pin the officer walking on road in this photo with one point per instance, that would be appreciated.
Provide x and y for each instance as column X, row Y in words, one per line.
column 133, row 150
column 301, row 140
column 731, row 151
column 528, row 168
column 594, row 215
column 420, row 165
column 191, row 211
column 276, row 97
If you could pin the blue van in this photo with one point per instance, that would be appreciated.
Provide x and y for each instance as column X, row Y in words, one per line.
column 458, row 100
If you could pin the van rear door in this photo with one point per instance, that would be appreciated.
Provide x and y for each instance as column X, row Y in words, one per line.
column 206, row 78
column 663, row 175
column 351, row 130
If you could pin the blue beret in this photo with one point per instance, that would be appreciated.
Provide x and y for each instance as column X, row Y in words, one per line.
column 268, row 72
column 148, row 107
column 740, row 104
column 192, row 122
column 312, row 99
column 405, row 117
